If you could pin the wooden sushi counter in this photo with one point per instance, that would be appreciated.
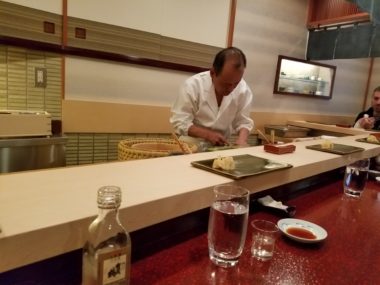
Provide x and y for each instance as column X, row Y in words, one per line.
column 46, row 213
column 305, row 130
column 328, row 129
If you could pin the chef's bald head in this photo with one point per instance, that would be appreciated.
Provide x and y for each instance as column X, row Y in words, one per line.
column 230, row 53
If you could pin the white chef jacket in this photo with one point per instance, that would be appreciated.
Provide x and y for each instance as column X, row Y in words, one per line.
column 197, row 105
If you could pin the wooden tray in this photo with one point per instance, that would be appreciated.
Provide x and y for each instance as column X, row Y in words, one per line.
column 336, row 149
column 245, row 165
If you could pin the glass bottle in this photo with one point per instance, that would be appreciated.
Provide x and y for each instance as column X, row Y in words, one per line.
column 107, row 252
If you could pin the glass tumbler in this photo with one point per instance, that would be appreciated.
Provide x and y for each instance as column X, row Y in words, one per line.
column 227, row 226
column 264, row 235
column 355, row 177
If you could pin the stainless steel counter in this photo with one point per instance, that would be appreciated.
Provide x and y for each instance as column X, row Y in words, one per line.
column 18, row 154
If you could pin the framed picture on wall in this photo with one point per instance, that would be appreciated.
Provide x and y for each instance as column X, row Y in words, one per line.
column 304, row 78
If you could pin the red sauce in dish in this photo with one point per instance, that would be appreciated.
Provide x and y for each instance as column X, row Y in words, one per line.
column 301, row 233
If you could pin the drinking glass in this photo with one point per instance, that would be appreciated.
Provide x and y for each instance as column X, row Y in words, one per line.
column 264, row 235
column 355, row 177
column 227, row 226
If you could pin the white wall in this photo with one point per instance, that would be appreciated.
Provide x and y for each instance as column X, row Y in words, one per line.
column 350, row 83
column 199, row 21
column 375, row 79
column 266, row 28
column 102, row 81
column 52, row 6
column 263, row 29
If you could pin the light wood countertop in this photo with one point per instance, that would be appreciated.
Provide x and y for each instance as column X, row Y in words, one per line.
column 329, row 128
column 47, row 212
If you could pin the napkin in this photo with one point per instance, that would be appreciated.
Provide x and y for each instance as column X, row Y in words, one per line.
column 277, row 206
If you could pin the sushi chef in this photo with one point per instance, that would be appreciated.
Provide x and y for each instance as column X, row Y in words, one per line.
column 213, row 105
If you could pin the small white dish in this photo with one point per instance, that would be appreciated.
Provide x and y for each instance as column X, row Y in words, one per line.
column 378, row 178
column 285, row 224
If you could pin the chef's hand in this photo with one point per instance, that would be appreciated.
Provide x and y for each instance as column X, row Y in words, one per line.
column 242, row 138
column 241, row 143
column 216, row 138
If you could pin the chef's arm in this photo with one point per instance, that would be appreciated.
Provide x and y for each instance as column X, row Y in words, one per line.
column 243, row 123
column 213, row 137
column 242, row 138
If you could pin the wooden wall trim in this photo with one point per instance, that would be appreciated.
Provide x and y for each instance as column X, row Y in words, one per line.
column 24, row 27
column 366, row 95
column 333, row 12
column 98, row 117
column 231, row 27
column 359, row 18
column 281, row 118
column 310, row 11
column 64, row 43
column 67, row 50
column 64, row 22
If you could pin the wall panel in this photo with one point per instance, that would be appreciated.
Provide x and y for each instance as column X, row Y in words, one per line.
column 187, row 20
column 375, row 79
column 265, row 29
column 102, row 81
column 52, row 6
column 17, row 80
column 96, row 117
column 27, row 23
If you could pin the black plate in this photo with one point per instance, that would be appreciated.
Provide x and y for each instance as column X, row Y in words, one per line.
column 337, row 148
column 365, row 141
column 245, row 165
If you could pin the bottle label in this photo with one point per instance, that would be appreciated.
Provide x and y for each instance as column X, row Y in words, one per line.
column 112, row 266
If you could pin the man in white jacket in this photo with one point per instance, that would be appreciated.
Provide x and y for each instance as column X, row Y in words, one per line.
column 214, row 104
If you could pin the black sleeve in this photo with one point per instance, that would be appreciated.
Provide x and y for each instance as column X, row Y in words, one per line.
column 361, row 114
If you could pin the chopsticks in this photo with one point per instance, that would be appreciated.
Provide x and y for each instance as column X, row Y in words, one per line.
column 264, row 136
column 272, row 136
column 181, row 145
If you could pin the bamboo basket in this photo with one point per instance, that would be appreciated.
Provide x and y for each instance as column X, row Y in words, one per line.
column 142, row 148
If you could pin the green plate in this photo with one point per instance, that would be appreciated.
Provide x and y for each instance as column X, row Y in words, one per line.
column 245, row 165
column 336, row 149
column 365, row 141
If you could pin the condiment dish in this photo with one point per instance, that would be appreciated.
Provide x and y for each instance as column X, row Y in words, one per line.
column 302, row 231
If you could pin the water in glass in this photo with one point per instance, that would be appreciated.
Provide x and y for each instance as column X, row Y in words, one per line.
column 227, row 232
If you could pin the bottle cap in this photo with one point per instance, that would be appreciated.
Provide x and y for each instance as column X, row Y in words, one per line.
column 109, row 197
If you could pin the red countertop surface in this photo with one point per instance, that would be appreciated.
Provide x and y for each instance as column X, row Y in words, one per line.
column 349, row 255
